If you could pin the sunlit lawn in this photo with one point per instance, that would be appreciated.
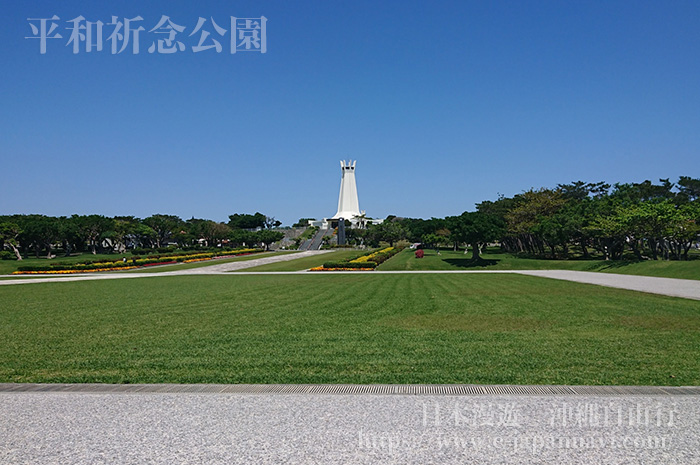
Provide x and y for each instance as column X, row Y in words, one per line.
column 371, row 328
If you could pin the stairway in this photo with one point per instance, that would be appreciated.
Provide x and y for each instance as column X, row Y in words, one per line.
column 306, row 244
column 317, row 241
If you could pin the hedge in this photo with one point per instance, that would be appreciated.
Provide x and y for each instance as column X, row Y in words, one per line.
column 374, row 259
column 134, row 261
column 331, row 265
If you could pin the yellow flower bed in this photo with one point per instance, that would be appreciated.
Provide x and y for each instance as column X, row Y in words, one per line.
column 204, row 257
column 111, row 266
column 320, row 268
column 366, row 258
column 76, row 271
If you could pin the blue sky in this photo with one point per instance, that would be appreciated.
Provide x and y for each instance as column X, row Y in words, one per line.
column 443, row 104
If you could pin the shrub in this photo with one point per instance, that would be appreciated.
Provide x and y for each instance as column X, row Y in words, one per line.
column 91, row 265
column 330, row 265
column 7, row 255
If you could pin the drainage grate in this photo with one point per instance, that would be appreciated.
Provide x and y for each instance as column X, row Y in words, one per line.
column 367, row 389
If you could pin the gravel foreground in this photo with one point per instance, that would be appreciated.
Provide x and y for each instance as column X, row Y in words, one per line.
column 89, row 428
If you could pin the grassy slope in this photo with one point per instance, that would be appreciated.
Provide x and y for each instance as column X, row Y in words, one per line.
column 449, row 260
column 346, row 329
column 307, row 262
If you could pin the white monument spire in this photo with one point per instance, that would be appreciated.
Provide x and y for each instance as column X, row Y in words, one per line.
column 348, row 205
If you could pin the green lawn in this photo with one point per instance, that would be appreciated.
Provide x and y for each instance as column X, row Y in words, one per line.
column 416, row 328
column 450, row 260
column 307, row 262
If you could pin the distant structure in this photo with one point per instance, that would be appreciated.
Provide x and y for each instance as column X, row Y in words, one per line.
column 348, row 202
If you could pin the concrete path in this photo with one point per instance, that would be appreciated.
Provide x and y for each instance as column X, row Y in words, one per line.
column 240, row 265
column 183, row 428
column 686, row 288
column 221, row 268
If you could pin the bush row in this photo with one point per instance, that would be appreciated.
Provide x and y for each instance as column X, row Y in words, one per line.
column 134, row 261
column 154, row 250
column 368, row 260
column 332, row 265
column 384, row 256
column 95, row 265
column 176, row 251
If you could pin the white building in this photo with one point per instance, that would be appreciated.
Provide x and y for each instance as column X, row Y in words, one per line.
column 348, row 202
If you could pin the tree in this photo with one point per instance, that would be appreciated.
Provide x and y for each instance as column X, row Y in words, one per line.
column 215, row 232
column 93, row 229
column 303, row 222
column 211, row 231
column 388, row 231
column 417, row 228
column 70, row 235
column 267, row 237
column 476, row 229
column 528, row 210
column 634, row 193
column 532, row 205
column 580, row 190
column 355, row 236
column 689, row 188
column 241, row 237
column 246, row 221
column 39, row 232
column 163, row 226
column 129, row 232
column 667, row 229
column 686, row 228
column 432, row 240
column 8, row 235
column 271, row 222
column 554, row 231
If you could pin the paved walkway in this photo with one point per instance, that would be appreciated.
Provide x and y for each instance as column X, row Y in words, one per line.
column 686, row 288
column 166, row 428
column 243, row 264
column 220, row 268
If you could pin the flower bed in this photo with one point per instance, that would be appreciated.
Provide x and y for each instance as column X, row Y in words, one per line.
column 350, row 265
column 74, row 271
column 135, row 262
column 321, row 268
column 366, row 262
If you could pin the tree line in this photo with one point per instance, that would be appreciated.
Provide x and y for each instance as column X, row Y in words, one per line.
column 41, row 235
column 640, row 220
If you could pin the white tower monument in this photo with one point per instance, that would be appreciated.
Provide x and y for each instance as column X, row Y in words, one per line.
column 348, row 205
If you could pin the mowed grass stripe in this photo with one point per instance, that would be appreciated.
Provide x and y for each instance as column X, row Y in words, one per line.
column 489, row 329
